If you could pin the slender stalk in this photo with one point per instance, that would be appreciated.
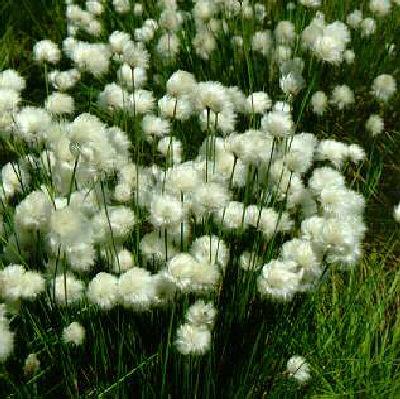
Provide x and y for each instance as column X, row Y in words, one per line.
column 207, row 140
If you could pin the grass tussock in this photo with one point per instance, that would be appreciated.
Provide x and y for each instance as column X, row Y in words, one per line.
column 200, row 204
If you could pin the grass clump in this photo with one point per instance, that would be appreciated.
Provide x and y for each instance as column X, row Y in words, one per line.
column 191, row 208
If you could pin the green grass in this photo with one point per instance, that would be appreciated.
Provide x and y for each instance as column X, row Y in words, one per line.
column 348, row 329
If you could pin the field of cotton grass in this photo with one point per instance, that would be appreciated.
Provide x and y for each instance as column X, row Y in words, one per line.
column 199, row 199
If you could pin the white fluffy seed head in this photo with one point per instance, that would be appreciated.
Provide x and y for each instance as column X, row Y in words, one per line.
column 166, row 211
column 355, row 153
column 121, row 6
column 368, row 27
column 325, row 177
column 142, row 100
column 374, row 124
column 380, row 7
column 354, row 19
column 123, row 261
column 129, row 77
column 285, row 32
column 204, row 10
column 91, row 57
column 17, row 283
column 171, row 148
column 262, row 42
column 81, row 255
column 32, row 364
column 237, row 99
column 170, row 19
column 201, row 314
column 9, row 100
column 291, row 83
column 396, row 213
column 302, row 253
column 209, row 198
column 258, row 102
column 118, row 40
column 135, row 54
column 59, row 103
column 349, row 56
column 11, row 79
column 64, row 80
column 210, row 95
column 154, row 250
column 103, row 290
column 66, row 227
column 74, row 333
column 210, row 249
column 189, row 275
column 68, row 289
column 342, row 96
column 232, row 216
column 14, row 179
column 204, row 43
column 31, row 123
column 182, row 178
column 300, row 155
column 177, row 108
column 280, row 280
column 298, row 369
column 6, row 341
column 46, row 51
column 113, row 97
column 168, row 46
column 115, row 224
column 181, row 83
column 33, row 213
column 180, row 270
column 383, row 87
column 94, row 7
column 155, row 127
column 136, row 289
column 329, row 49
column 310, row 3
column 277, row 123
column 332, row 150
column 192, row 340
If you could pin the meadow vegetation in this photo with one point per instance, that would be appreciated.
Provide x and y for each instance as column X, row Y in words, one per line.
column 199, row 199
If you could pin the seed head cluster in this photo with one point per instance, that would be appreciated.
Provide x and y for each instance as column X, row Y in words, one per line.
column 172, row 180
